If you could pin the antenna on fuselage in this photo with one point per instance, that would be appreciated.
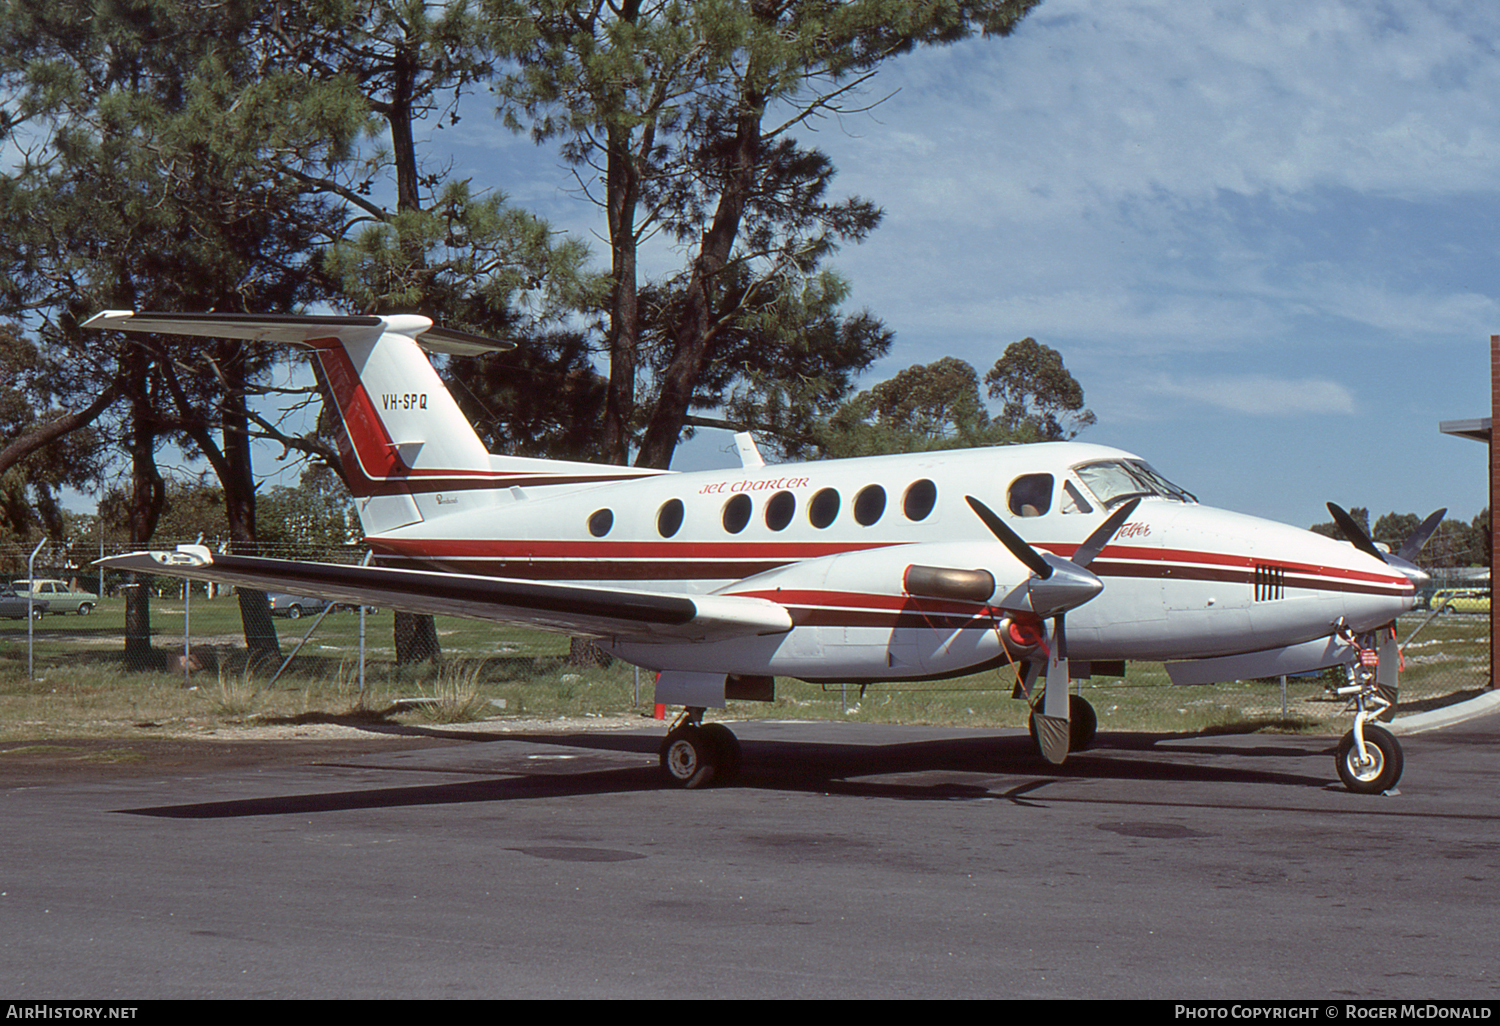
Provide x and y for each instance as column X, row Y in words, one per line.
column 750, row 455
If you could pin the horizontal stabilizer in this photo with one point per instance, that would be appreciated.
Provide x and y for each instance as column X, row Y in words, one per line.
column 560, row 608
column 299, row 329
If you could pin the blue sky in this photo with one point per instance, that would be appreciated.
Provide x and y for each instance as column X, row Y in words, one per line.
column 1260, row 235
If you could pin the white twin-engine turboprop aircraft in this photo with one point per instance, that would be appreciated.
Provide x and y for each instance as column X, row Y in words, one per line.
column 889, row 568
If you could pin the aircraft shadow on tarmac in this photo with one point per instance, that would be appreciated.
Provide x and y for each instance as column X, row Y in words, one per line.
column 927, row 770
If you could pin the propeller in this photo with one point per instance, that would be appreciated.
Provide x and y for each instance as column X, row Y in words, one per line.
column 1403, row 559
column 1418, row 538
column 1056, row 586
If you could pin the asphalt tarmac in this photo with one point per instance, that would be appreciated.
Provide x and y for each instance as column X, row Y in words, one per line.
column 850, row 861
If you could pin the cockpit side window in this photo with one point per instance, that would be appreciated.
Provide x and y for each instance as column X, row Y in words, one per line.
column 1073, row 500
column 1030, row 495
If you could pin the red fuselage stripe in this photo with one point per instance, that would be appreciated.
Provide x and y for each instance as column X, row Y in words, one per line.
column 717, row 561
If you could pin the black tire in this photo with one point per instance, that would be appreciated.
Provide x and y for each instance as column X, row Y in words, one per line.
column 294, row 612
column 85, row 608
column 1385, row 765
column 1083, row 723
column 727, row 755
column 37, row 612
column 687, row 757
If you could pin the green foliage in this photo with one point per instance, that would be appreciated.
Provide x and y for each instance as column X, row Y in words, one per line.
column 262, row 156
column 1042, row 401
column 307, row 521
column 787, row 360
column 678, row 117
column 440, row 248
column 472, row 261
column 938, row 406
column 541, row 399
column 190, row 509
column 145, row 125
column 29, row 385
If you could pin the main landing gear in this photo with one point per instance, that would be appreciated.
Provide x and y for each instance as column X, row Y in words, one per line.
column 1369, row 758
column 697, row 754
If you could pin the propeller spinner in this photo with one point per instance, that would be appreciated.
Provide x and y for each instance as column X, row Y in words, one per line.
column 1056, row 586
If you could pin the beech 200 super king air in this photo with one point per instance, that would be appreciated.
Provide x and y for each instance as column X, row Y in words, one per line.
column 1060, row 559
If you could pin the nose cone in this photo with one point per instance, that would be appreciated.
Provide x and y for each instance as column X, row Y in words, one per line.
column 1374, row 589
column 1416, row 575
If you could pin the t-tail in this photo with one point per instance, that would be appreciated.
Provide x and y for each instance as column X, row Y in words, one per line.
column 409, row 453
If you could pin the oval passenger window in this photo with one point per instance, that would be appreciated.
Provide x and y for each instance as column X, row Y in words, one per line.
column 780, row 509
column 737, row 513
column 824, row 508
column 669, row 518
column 921, row 496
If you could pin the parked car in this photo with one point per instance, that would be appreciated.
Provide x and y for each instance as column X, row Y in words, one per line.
column 60, row 597
column 14, row 607
column 1462, row 600
column 294, row 606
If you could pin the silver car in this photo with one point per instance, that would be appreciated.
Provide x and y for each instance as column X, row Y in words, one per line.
column 14, row 607
column 294, row 606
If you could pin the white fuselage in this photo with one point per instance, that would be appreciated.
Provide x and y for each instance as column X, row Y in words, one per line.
column 832, row 541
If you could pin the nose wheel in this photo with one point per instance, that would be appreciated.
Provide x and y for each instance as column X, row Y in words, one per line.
column 1374, row 770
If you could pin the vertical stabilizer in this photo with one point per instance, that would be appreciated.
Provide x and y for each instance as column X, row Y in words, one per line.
column 404, row 430
column 409, row 453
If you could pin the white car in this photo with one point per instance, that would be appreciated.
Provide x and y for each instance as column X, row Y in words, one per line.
column 60, row 598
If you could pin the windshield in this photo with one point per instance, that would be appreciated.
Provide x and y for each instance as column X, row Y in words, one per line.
column 1114, row 481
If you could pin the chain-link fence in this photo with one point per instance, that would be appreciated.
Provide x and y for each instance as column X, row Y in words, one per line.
column 330, row 660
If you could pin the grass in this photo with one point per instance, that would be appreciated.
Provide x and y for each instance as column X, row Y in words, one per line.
column 81, row 688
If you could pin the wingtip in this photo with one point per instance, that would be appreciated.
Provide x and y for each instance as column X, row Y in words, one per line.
column 182, row 558
column 108, row 319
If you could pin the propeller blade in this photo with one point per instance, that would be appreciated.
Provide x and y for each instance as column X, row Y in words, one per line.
column 1094, row 544
column 1354, row 532
column 1011, row 540
column 1050, row 718
column 1412, row 547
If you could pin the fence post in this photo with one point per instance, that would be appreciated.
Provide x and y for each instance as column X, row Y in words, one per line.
column 369, row 555
column 31, row 608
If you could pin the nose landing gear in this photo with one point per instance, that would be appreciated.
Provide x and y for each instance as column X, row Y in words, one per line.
column 1369, row 758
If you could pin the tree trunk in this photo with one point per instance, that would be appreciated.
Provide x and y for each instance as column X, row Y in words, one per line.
column 623, row 185
column 261, row 644
column 147, row 494
column 416, row 639
column 585, row 652
column 694, row 333
column 414, row 635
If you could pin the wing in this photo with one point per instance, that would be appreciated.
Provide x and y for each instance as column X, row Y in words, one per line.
column 560, row 608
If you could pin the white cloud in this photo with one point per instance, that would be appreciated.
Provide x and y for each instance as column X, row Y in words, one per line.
column 1093, row 102
column 1260, row 395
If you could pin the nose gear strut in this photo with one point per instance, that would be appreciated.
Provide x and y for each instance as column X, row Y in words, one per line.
column 1369, row 758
